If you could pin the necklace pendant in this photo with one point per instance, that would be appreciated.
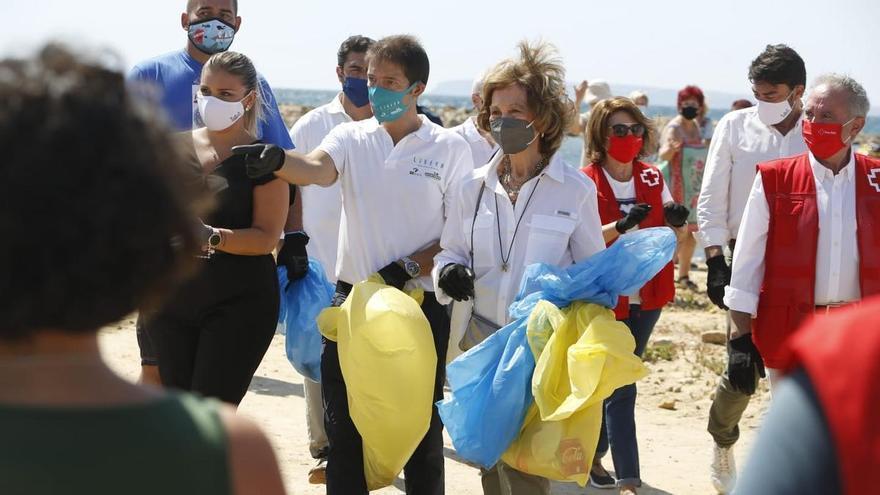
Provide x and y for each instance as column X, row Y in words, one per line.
column 503, row 267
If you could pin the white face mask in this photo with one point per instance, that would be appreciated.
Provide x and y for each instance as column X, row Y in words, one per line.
column 774, row 113
column 218, row 114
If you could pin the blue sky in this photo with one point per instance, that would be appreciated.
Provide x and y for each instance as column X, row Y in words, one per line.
column 645, row 42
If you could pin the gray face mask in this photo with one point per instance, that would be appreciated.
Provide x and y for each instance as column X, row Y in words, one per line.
column 513, row 135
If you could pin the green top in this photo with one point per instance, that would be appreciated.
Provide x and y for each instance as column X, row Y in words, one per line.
column 174, row 445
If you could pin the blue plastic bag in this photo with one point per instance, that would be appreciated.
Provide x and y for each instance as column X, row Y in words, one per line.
column 491, row 383
column 301, row 302
column 491, row 378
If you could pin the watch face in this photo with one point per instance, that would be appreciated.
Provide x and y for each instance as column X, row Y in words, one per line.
column 214, row 240
column 412, row 268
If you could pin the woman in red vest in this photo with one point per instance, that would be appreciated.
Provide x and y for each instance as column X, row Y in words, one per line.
column 631, row 194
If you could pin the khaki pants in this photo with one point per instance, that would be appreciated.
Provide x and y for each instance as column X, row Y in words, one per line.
column 315, row 418
column 502, row 479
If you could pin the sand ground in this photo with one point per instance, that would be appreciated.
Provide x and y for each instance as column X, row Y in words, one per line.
column 671, row 412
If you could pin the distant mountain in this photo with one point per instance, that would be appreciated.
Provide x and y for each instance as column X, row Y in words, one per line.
column 657, row 96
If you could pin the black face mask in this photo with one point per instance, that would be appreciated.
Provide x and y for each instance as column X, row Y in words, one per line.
column 689, row 113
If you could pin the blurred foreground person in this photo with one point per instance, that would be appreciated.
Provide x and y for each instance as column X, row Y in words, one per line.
column 821, row 435
column 68, row 423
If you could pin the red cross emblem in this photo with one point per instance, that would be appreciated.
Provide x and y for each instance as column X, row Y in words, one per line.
column 872, row 178
column 651, row 177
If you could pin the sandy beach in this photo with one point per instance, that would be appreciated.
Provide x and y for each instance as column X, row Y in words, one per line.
column 671, row 411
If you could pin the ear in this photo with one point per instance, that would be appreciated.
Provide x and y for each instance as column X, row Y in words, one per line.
column 250, row 100
column 419, row 89
column 184, row 21
column 340, row 75
column 799, row 91
column 237, row 23
column 857, row 125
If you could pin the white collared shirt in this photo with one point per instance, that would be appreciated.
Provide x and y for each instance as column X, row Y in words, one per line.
column 481, row 149
column 321, row 206
column 394, row 198
column 740, row 142
column 560, row 225
column 837, row 256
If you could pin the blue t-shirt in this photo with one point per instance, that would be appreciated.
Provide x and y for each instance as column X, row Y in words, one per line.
column 176, row 76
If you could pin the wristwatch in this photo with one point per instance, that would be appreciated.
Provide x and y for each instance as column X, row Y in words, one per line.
column 413, row 269
column 215, row 239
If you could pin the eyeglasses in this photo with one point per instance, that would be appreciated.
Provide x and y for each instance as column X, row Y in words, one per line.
column 620, row 130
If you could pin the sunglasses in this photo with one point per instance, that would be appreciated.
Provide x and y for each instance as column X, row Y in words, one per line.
column 620, row 130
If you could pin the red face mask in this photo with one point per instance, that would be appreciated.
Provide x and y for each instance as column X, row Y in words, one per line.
column 624, row 149
column 823, row 139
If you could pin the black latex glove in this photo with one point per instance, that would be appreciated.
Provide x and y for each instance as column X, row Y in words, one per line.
column 457, row 281
column 676, row 214
column 394, row 275
column 743, row 361
column 293, row 255
column 717, row 279
column 635, row 216
column 260, row 159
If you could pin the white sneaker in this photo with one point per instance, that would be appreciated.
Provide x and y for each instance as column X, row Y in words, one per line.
column 723, row 469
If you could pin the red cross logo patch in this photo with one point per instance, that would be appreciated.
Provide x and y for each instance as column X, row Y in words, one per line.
column 873, row 179
column 651, row 177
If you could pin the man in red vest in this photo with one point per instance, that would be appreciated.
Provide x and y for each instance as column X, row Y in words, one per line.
column 808, row 242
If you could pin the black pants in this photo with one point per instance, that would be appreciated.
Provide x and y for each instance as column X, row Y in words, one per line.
column 424, row 473
column 212, row 334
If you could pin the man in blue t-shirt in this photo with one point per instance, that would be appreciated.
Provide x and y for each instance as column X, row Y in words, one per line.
column 172, row 80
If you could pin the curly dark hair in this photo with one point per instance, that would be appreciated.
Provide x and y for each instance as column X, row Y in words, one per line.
column 95, row 217
column 778, row 64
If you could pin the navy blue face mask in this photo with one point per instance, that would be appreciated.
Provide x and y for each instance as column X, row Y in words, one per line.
column 355, row 90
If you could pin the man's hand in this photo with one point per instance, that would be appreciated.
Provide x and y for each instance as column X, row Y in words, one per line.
column 293, row 255
column 260, row 159
column 394, row 275
column 717, row 279
column 457, row 281
column 635, row 216
column 676, row 214
column 743, row 364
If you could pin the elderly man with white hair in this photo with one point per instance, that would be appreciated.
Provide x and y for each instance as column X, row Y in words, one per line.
column 808, row 242
column 483, row 147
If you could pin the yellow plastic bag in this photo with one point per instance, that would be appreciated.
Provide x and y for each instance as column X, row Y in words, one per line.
column 388, row 360
column 583, row 355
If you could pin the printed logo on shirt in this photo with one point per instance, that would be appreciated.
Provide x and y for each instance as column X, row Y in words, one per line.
column 873, row 179
column 426, row 167
column 650, row 177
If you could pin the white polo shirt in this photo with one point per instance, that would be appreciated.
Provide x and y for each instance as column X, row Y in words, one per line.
column 394, row 198
column 560, row 225
column 740, row 142
column 321, row 206
column 481, row 149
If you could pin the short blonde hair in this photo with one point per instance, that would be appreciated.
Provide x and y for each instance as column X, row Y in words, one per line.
column 597, row 127
column 539, row 71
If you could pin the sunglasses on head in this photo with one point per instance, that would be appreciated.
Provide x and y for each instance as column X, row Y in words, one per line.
column 620, row 130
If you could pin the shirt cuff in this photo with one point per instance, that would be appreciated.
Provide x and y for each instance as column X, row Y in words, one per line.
column 741, row 300
column 714, row 237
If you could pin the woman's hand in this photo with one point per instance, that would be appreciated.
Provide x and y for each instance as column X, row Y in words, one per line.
column 457, row 281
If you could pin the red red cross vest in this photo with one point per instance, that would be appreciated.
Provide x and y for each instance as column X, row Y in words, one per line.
column 840, row 353
column 788, row 290
column 649, row 189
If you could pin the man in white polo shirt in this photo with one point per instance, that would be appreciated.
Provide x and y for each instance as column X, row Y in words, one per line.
column 396, row 173
column 483, row 147
column 319, row 210
column 742, row 139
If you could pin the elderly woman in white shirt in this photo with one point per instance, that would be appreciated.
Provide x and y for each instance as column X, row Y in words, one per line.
column 525, row 206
